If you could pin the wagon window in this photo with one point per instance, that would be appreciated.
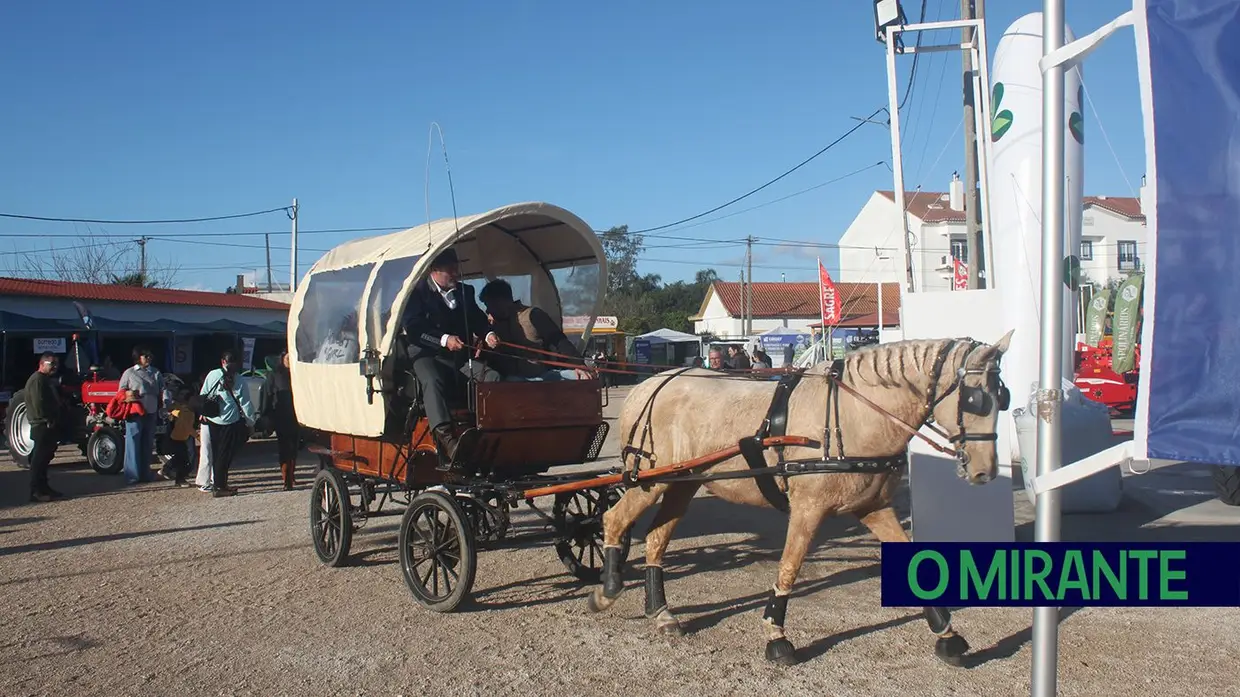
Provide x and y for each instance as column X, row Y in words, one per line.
column 578, row 288
column 327, row 325
column 388, row 281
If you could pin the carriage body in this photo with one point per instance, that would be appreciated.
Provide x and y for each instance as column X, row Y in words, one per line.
column 361, row 407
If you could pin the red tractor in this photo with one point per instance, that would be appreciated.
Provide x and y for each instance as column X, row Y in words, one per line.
column 1097, row 381
column 84, row 420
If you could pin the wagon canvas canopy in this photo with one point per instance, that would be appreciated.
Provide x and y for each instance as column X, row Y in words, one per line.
column 355, row 295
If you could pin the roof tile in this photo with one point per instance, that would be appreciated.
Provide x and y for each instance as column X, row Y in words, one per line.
column 933, row 206
column 128, row 294
column 800, row 299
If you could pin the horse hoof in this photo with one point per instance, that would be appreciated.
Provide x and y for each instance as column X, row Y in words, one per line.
column 672, row 629
column 597, row 602
column 951, row 650
column 781, row 651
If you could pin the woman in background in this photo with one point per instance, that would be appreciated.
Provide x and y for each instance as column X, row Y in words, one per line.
column 278, row 410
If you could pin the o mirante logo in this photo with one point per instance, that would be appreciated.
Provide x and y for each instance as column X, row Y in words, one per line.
column 1031, row 575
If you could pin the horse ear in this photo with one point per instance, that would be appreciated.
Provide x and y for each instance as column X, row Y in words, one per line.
column 1002, row 345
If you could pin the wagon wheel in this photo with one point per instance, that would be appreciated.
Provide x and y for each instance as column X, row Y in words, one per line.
column 578, row 519
column 331, row 525
column 488, row 516
column 437, row 553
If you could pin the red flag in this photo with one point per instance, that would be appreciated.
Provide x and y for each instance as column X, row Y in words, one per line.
column 960, row 275
column 828, row 298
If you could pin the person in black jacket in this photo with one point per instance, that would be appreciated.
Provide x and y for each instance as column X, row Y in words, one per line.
column 441, row 320
column 43, row 413
column 278, row 409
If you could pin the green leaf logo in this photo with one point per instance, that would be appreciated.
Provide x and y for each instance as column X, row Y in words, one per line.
column 1076, row 122
column 1002, row 120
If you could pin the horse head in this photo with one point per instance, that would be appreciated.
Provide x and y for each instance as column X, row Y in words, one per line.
column 966, row 396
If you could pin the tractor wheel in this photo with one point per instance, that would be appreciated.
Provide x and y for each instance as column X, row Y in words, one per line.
column 17, row 430
column 105, row 451
column 1227, row 484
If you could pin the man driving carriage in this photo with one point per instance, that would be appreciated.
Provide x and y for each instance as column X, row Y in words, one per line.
column 517, row 325
column 441, row 321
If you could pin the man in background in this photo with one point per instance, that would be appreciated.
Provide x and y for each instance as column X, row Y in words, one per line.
column 43, row 413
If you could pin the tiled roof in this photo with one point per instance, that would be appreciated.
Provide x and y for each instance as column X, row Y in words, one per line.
column 933, row 206
column 129, row 294
column 799, row 300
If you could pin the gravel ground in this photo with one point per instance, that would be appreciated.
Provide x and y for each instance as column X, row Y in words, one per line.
column 152, row 590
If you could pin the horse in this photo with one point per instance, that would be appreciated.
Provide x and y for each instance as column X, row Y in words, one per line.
column 872, row 403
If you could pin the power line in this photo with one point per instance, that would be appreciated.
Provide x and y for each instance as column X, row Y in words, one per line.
column 143, row 222
column 751, row 192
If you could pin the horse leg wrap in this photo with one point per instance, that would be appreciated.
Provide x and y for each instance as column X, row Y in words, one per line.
column 776, row 608
column 655, row 600
column 778, row 648
column 940, row 620
column 613, row 581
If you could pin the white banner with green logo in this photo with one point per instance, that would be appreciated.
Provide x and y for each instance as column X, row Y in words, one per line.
column 1096, row 317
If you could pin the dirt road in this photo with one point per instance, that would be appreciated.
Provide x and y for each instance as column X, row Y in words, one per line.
column 152, row 590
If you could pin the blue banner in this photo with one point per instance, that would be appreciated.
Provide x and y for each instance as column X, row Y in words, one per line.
column 1194, row 370
column 1027, row 574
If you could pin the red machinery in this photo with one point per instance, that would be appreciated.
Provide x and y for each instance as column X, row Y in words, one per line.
column 1097, row 381
column 84, row 401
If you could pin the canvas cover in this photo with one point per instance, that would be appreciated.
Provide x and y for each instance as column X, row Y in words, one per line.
column 353, row 297
column 1189, row 392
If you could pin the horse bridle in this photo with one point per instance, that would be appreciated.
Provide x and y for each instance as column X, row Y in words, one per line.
column 971, row 399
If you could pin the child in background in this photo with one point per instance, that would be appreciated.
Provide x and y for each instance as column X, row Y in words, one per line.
column 181, row 434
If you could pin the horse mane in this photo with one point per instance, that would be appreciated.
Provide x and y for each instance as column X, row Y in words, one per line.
column 900, row 363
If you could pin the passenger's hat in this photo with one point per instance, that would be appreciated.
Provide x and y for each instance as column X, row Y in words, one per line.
column 445, row 258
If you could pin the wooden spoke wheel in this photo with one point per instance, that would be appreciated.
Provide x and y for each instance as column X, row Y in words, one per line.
column 331, row 523
column 437, row 553
column 578, row 519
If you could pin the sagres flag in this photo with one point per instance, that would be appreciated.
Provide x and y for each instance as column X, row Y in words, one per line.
column 1096, row 317
column 1124, row 324
column 829, row 298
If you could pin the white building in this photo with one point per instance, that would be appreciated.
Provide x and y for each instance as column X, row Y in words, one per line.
column 1112, row 240
column 794, row 305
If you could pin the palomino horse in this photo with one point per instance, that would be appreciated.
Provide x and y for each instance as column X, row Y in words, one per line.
column 683, row 415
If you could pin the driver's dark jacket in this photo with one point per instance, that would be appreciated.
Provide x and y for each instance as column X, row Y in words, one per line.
column 42, row 402
column 428, row 318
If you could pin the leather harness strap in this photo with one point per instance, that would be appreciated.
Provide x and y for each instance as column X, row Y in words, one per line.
column 775, row 424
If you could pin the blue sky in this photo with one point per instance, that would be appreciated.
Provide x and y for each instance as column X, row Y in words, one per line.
column 640, row 112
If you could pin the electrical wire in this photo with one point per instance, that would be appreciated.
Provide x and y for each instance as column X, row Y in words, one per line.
column 145, row 222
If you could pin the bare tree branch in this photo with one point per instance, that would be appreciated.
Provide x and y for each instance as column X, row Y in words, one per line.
column 93, row 259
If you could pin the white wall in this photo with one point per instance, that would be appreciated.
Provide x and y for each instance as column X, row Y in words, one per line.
column 1105, row 230
column 716, row 320
column 877, row 225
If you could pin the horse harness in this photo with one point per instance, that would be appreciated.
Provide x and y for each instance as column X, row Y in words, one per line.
column 979, row 401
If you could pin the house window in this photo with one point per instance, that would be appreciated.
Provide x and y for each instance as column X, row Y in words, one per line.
column 1087, row 250
column 960, row 250
column 1127, row 254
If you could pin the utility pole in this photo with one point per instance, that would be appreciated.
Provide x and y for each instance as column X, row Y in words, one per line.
column 971, row 9
column 749, row 296
column 292, row 285
column 142, row 257
column 267, row 244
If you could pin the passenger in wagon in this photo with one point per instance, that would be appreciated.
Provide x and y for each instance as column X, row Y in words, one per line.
column 440, row 322
column 518, row 324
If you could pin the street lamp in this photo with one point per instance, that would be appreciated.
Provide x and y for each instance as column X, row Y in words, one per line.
column 889, row 13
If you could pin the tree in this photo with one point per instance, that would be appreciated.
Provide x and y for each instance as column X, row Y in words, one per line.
column 622, row 251
column 105, row 261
